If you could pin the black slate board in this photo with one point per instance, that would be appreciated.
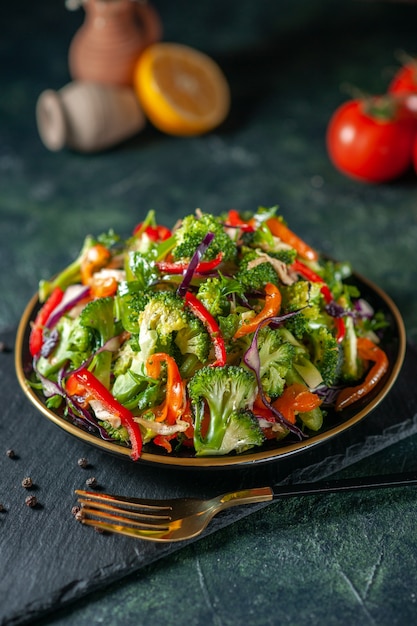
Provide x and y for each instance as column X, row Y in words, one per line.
column 50, row 560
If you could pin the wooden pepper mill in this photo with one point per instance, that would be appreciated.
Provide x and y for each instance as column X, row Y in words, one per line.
column 88, row 117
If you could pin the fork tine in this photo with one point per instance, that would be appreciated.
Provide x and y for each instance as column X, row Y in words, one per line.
column 143, row 515
column 137, row 533
column 143, row 504
column 113, row 515
column 123, row 511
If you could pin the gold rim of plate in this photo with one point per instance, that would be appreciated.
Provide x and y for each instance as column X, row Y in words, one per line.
column 279, row 450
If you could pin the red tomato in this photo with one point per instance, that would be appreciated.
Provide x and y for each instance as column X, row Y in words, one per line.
column 370, row 148
column 405, row 80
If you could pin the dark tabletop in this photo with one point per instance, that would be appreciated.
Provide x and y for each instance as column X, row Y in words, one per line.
column 342, row 559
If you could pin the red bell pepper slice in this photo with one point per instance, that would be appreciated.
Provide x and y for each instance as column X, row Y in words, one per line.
column 368, row 351
column 36, row 333
column 271, row 309
column 212, row 326
column 155, row 233
column 175, row 401
column 234, row 220
column 84, row 384
column 179, row 267
column 310, row 275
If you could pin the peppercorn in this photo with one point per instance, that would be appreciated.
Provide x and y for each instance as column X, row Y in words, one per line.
column 10, row 453
column 83, row 462
column 91, row 482
column 75, row 510
column 31, row 501
column 27, row 482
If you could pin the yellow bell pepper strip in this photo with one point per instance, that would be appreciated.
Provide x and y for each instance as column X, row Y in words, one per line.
column 310, row 275
column 84, row 384
column 179, row 267
column 271, row 308
column 368, row 351
column 211, row 325
column 279, row 229
column 296, row 398
column 36, row 333
column 175, row 399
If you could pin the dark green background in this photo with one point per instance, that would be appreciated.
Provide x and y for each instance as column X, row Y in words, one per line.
column 339, row 560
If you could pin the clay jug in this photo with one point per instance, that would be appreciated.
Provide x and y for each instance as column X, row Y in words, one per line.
column 109, row 42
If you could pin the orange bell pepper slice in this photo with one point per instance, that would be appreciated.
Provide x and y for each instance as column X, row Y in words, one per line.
column 174, row 403
column 279, row 229
column 271, row 308
column 95, row 258
column 296, row 398
column 368, row 351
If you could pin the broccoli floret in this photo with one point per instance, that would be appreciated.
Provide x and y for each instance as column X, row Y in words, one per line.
column 213, row 294
column 305, row 297
column 191, row 233
column 242, row 433
column 129, row 302
column 254, row 275
column 163, row 315
column 325, row 353
column 302, row 370
column 193, row 339
column 222, row 391
column 276, row 359
column 228, row 326
column 262, row 239
column 98, row 317
column 312, row 327
column 74, row 346
column 71, row 274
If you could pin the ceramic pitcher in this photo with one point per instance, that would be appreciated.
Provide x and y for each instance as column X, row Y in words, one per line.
column 111, row 38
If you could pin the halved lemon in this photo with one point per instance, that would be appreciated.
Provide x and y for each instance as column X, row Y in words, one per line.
column 182, row 90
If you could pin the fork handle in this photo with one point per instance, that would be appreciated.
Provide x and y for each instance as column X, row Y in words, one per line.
column 404, row 479
column 358, row 483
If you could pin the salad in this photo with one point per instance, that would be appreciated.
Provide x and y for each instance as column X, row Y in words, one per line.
column 218, row 335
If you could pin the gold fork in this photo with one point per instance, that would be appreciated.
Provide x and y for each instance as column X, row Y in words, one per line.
column 185, row 518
